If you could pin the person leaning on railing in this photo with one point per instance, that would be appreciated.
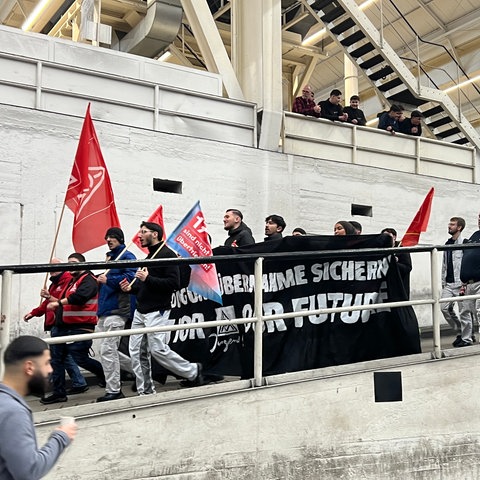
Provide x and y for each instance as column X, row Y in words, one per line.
column 306, row 104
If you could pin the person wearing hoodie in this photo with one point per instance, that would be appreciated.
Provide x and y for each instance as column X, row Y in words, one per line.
column 239, row 233
column 115, row 308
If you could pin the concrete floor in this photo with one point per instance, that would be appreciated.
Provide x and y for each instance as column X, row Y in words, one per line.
column 94, row 391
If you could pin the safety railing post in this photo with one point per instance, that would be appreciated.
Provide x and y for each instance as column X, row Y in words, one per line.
column 436, row 311
column 258, row 351
column 5, row 314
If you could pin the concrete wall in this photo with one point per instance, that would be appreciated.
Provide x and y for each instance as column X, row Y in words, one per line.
column 37, row 156
column 322, row 424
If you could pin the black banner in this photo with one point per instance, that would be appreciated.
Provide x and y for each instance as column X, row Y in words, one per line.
column 303, row 342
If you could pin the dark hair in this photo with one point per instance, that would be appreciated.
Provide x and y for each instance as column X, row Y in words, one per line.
column 460, row 221
column 78, row 256
column 277, row 220
column 335, row 92
column 235, row 212
column 354, row 97
column 416, row 113
column 356, row 225
column 348, row 227
column 24, row 347
column 396, row 108
column 299, row 230
column 389, row 230
column 154, row 227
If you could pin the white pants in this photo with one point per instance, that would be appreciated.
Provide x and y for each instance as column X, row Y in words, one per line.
column 156, row 345
column 468, row 311
column 109, row 354
column 451, row 290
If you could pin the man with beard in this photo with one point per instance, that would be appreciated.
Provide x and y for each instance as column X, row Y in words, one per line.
column 75, row 314
column 451, row 283
column 239, row 233
column 153, row 287
column 58, row 280
column 27, row 366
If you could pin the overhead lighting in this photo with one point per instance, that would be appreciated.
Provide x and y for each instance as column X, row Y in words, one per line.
column 318, row 35
column 33, row 17
column 165, row 56
column 462, row 84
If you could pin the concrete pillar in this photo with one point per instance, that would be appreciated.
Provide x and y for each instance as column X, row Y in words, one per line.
column 257, row 60
column 351, row 79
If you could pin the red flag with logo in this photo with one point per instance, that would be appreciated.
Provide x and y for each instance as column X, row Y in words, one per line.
column 155, row 217
column 419, row 223
column 89, row 195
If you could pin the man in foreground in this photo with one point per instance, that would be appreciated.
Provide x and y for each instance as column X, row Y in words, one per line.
column 27, row 367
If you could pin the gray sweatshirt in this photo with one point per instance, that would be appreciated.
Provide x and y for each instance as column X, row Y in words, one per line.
column 20, row 457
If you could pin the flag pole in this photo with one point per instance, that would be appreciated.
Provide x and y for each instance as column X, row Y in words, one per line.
column 118, row 256
column 54, row 246
column 162, row 244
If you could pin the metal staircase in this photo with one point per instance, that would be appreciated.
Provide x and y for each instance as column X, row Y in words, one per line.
column 393, row 80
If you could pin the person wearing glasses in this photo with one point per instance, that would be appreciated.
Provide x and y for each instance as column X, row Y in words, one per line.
column 306, row 104
column 153, row 287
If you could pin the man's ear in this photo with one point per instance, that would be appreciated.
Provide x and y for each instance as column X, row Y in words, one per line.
column 28, row 367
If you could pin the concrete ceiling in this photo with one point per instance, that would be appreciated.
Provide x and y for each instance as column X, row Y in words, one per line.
column 443, row 33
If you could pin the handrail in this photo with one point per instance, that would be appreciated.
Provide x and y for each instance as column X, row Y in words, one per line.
column 258, row 318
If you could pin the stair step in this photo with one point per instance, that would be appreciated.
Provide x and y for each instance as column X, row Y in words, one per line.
column 405, row 97
column 433, row 111
column 395, row 82
column 363, row 50
column 448, row 133
column 343, row 26
column 461, row 141
column 354, row 38
column 438, row 123
column 320, row 4
column 332, row 14
column 371, row 62
column 382, row 73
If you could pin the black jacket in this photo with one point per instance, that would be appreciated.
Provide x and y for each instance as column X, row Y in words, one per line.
column 355, row 114
column 155, row 293
column 242, row 235
column 470, row 269
column 330, row 111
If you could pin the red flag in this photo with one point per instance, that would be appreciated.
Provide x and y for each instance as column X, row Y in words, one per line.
column 155, row 217
column 89, row 195
column 419, row 223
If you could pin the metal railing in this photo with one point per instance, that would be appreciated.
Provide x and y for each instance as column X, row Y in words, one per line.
column 258, row 318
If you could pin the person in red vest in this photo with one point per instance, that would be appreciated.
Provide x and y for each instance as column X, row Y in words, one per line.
column 75, row 313
column 58, row 281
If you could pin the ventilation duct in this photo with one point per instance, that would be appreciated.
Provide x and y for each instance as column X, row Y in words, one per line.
column 156, row 31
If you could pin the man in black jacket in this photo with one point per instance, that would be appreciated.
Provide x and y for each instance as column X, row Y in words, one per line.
column 470, row 277
column 274, row 226
column 153, row 287
column 238, row 232
column 331, row 108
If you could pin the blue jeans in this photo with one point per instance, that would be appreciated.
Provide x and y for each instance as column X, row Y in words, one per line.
column 74, row 372
column 80, row 354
